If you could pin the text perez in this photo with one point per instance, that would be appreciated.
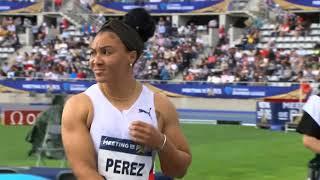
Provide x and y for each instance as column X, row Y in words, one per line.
column 124, row 167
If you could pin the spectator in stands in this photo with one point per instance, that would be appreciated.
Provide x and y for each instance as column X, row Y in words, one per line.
column 57, row 4
column 179, row 48
column 11, row 27
column 115, row 50
column 276, row 64
column 162, row 27
column 284, row 28
column 38, row 132
column 222, row 34
column 81, row 74
column 12, row 41
column 189, row 77
column 13, row 72
column 87, row 4
column 168, row 26
column 299, row 30
column 3, row 31
column 213, row 23
column 73, row 73
column 64, row 24
column 5, row 68
column 164, row 73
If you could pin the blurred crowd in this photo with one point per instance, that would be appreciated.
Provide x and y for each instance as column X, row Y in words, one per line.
column 245, row 62
column 227, row 64
column 21, row 0
column 171, row 50
column 54, row 55
column 59, row 59
column 9, row 29
column 140, row 2
column 64, row 55
column 291, row 24
column 173, row 53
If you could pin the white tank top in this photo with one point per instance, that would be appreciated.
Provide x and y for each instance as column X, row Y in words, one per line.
column 119, row 158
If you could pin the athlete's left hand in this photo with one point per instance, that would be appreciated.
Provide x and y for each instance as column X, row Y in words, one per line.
column 146, row 134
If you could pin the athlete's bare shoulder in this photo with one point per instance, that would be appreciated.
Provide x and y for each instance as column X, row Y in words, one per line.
column 77, row 108
column 166, row 111
column 162, row 102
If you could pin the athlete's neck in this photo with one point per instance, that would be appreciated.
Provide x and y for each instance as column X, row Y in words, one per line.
column 119, row 91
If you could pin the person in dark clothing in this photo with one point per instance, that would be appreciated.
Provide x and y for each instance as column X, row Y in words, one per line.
column 50, row 116
column 309, row 126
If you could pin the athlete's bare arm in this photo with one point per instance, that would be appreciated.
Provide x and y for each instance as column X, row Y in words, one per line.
column 76, row 138
column 175, row 157
column 311, row 143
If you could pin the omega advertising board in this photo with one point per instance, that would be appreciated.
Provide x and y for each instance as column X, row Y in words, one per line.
column 24, row 115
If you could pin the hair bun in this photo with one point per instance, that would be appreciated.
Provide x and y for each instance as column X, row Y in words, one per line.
column 141, row 21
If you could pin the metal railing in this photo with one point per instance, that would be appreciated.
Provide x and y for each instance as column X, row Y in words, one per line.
column 78, row 14
column 238, row 5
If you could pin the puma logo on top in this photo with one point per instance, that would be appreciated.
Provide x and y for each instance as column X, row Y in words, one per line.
column 146, row 112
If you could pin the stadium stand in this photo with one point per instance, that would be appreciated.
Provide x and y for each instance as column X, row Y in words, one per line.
column 285, row 49
column 171, row 51
column 267, row 52
column 283, row 52
column 9, row 39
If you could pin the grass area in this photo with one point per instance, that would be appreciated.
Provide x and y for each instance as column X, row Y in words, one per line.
column 237, row 152
column 219, row 152
column 14, row 149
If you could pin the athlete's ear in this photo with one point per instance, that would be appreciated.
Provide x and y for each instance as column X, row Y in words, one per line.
column 132, row 57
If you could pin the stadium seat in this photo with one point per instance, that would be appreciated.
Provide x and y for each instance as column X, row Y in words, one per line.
column 280, row 39
column 316, row 39
column 290, row 45
column 71, row 28
column 260, row 45
column 266, row 33
column 315, row 32
column 77, row 39
column 272, row 26
column 313, row 25
column 280, row 46
column 310, row 51
column 265, row 26
column 310, row 45
column 301, row 39
column 268, row 26
column 265, row 39
column 287, row 39
column 4, row 55
column 294, row 39
column 72, row 33
column 308, row 39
